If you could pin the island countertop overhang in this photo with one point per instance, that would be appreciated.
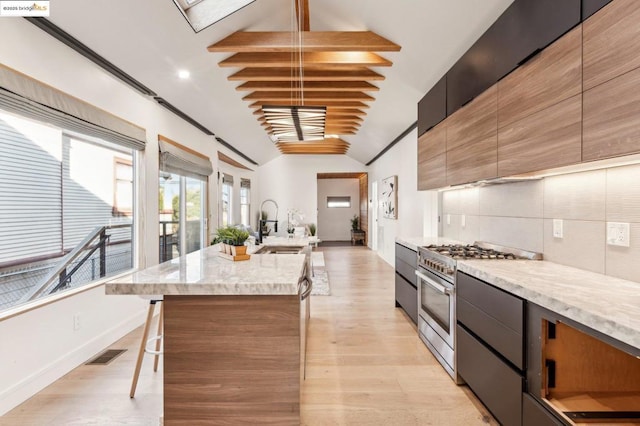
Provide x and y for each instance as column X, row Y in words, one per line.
column 205, row 273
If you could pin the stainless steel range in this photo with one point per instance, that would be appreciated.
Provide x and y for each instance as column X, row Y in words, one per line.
column 437, row 266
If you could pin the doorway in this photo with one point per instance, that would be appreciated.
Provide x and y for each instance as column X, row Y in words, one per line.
column 341, row 197
column 374, row 215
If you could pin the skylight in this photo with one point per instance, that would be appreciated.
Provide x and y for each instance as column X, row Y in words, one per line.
column 202, row 13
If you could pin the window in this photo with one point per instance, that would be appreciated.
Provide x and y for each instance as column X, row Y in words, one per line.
column 245, row 202
column 226, row 199
column 123, row 187
column 338, row 202
column 58, row 189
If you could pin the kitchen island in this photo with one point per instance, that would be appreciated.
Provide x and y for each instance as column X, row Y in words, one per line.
column 231, row 336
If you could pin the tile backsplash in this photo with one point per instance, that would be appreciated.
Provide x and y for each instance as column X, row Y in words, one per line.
column 521, row 214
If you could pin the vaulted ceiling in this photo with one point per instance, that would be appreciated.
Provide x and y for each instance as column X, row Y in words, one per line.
column 150, row 40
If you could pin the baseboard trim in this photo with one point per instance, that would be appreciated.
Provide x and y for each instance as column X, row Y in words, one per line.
column 34, row 383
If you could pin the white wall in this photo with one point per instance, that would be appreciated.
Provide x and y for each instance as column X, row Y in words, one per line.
column 521, row 215
column 334, row 224
column 40, row 346
column 291, row 181
column 416, row 209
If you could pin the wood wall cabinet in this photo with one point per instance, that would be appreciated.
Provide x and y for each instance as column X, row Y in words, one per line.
column 432, row 158
column 432, row 108
column 611, row 42
column 472, row 140
column 610, row 122
column 544, row 140
column 552, row 76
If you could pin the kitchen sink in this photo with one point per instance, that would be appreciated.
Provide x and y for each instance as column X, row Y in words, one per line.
column 280, row 250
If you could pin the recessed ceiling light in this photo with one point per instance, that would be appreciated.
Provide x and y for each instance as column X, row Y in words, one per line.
column 184, row 74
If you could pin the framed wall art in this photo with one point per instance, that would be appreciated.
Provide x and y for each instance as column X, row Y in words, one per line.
column 390, row 197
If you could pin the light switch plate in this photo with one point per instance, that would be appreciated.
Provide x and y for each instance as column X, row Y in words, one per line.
column 448, row 219
column 463, row 221
column 557, row 228
column 618, row 234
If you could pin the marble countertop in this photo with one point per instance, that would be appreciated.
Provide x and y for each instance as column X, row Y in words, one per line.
column 606, row 304
column 288, row 242
column 204, row 273
column 414, row 242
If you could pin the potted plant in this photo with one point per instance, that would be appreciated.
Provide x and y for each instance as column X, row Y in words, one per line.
column 312, row 229
column 232, row 240
column 355, row 223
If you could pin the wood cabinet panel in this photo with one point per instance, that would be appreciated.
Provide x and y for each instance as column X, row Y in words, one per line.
column 476, row 120
column 549, row 138
column 432, row 172
column 610, row 120
column 432, row 158
column 553, row 75
column 472, row 162
column 611, row 42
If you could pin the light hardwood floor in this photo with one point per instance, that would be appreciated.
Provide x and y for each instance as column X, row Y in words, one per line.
column 365, row 366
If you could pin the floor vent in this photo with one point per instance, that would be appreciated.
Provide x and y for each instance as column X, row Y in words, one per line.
column 106, row 357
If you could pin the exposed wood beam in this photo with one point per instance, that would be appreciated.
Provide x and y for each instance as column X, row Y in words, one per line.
column 307, row 102
column 334, row 118
column 351, row 60
column 310, row 96
column 310, row 74
column 302, row 14
column 226, row 159
column 311, row 86
column 346, row 175
column 333, row 111
column 313, row 41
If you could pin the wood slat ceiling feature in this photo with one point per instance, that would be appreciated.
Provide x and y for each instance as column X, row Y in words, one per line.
column 310, row 74
column 311, row 96
column 332, row 111
column 354, row 175
column 334, row 118
column 313, row 41
column 309, row 86
column 347, row 60
column 307, row 102
column 327, row 146
column 226, row 159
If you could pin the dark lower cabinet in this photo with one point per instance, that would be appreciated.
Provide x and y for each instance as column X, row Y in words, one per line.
column 534, row 414
column 407, row 297
column 496, row 384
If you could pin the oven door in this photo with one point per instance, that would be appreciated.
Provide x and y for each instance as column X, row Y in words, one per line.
column 436, row 304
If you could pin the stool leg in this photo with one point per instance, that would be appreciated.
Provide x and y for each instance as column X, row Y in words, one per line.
column 143, row 343
column 160, row 331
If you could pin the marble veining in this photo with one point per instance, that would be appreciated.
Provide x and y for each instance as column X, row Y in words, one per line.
column 606, row 304
column 205, row 273
column 414, row 242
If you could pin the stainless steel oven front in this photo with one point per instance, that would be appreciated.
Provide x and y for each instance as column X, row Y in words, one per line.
column 436, row 319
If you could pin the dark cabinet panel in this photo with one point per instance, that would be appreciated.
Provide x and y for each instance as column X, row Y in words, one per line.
column 534, row 414
column 407, row 297
column 432, row 108
column 407, row 255
column 498, row 386
column 589, row 7
column 530, row 25
column 407, row 271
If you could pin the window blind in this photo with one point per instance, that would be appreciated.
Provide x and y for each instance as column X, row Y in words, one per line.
column 245, row 183
column 25, row 96
column 227, row 179
column 173, row 159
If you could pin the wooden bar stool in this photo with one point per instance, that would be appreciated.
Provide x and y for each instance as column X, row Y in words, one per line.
column 146, row 341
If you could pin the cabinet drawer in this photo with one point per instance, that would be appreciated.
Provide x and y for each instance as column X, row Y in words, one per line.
column 501, row 306
column 407, row 255
column 407, row 297
column 534, row 414
column 407, row 271
column 497, row 385
column 501, row 338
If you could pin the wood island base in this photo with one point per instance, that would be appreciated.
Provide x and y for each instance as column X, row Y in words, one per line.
column 232, row 359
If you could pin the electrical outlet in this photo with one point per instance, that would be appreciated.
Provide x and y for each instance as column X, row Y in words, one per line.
column 76, row 322
column 463, row 221
column 557, row 228
column 618, row 234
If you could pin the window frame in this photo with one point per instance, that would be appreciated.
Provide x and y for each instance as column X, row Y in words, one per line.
column 116, row 211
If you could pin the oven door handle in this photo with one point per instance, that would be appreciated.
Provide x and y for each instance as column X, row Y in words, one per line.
column 440, row 288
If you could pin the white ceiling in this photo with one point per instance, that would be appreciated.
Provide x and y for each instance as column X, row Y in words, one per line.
column 150, row 40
